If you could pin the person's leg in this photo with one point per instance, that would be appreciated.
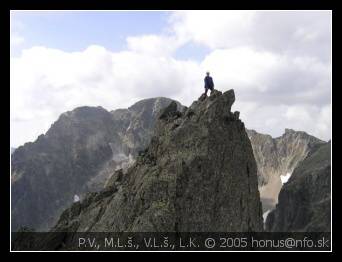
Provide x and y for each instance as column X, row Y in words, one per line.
column 206, row 91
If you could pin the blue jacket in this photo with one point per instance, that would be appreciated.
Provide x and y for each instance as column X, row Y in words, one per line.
column 208, row 82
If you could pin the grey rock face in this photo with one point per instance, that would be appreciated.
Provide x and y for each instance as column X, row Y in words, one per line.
column 81, row 151
column 12, row 150
column 77, row 155
column 135, row 124
column 277, row 157
column 197, row 174
column 304, row 201
column 47, row 173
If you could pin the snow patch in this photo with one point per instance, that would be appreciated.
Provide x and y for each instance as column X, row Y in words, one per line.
column 126, row 163
column 264, row 215
column 76, row 198
column 285, row 178
column 156, row 107
column 120, row 157
column 129, row 127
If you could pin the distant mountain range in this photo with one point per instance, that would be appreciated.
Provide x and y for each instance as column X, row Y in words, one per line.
column 89, row 150
column 189, row 178
column 304, row 202
column 277, row 158
column 75, row 156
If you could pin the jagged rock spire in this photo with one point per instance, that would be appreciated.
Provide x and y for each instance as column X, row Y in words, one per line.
column 197, row 174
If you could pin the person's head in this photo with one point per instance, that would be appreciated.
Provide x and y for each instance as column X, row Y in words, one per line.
column 208, row 73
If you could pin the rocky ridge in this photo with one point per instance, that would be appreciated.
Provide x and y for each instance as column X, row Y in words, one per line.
column 276, row 159
column 304, row 201
column 197, row 174
column 76, row 155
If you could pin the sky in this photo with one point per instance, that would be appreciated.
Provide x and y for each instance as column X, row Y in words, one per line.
column 277, row 62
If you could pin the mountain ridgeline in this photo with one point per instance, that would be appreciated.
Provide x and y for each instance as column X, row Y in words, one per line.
column 198, row 174
column 160, row 166
column 305, row 200
column 76, row 155
column 277, row 158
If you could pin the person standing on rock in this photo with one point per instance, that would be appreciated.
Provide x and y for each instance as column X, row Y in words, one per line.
column 208, row 83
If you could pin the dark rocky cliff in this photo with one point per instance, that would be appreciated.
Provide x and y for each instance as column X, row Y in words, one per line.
column 304, row 201
column 276, row 158
column 197, row 174
column 85, row 146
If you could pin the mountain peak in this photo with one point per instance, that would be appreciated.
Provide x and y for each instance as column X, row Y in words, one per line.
column 289, row 131
column 77, row 154
column 197, row 174
column 277, row 157
column 84, row 112
column 154, row 104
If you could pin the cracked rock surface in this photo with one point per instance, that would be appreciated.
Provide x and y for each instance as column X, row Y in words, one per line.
column 197, row 174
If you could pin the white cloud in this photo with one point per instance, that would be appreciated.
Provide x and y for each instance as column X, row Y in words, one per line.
column 231, row 66
column 16, row 39
column 276, row 63
column 216, row 29
column 289, row 32
column 159, row 45
column 46, row 82
column 310, row 118
column 270, row 78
